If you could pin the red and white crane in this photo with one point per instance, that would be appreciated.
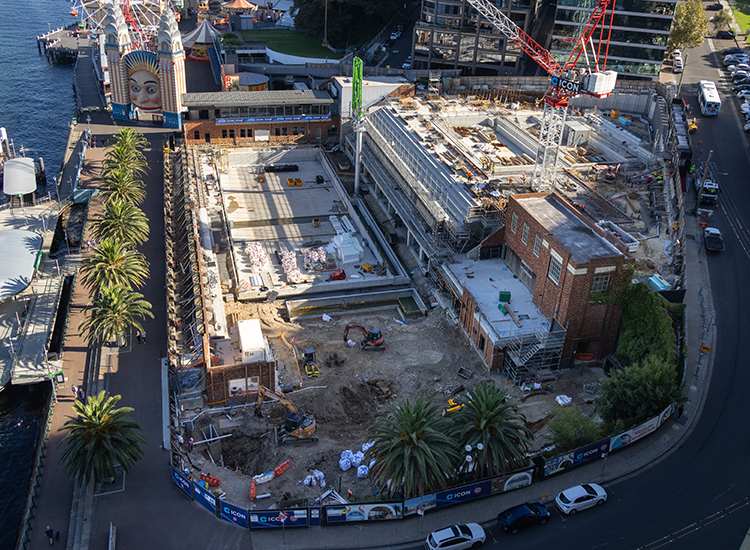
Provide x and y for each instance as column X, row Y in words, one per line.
column 568, row 80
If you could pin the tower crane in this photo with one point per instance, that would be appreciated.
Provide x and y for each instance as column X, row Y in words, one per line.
column 568, row 80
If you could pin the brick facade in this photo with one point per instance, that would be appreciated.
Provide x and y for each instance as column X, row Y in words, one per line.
column 239, row 134
column 591, row 327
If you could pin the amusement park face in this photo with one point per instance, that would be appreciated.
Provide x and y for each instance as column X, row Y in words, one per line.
column 144, row 90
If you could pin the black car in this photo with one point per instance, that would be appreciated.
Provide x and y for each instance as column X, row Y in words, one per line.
column 522, row 516
column 740, row 87
column 725, row 34
column 714, row 7
column 730, row 51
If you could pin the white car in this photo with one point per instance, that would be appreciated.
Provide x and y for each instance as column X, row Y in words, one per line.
column 676, row 53
column 739, row 67
column 395, row 35
column 731, row 59
column 743, row 94
column 407, row 64
column 580, row 497
column 457, row 537
column 747, row 127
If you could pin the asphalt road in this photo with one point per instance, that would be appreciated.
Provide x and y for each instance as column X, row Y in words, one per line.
column 699, row 495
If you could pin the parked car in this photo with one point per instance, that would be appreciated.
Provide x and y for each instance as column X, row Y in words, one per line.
column 739, row 75
column 714, row 7
column 677, row 52
column 743, row 94
column 457, row 537
column 725, row 34
column 747, row 127
column 734, row 69
column 729, row 51
column 742, row 86
column 395, row 35
column 677, row 66
column 407, row 64
column 737, row 58
column 580, row 497
column 713, row 239
column 741, row 81
column 524, row 515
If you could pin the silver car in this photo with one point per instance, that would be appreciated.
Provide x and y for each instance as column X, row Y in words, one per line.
column 580, row 497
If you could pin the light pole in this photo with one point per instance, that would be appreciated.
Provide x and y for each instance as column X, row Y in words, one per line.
column 703, row 182
column 682, row 74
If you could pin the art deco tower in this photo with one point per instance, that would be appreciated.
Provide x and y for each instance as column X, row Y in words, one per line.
column 117, row 46
column 172, row 69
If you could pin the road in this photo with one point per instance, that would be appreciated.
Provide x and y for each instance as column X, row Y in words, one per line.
column 698, row 496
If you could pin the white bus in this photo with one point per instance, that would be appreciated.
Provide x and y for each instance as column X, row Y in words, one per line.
column 708, row 98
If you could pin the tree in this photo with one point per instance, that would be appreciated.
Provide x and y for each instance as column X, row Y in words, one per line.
column 122, row 185
column 122, row 221
column 124, row 157
column 639, row 392
column 689, row 27
column 572, row 429
column 413, row 452
column 646, row 327
column 99, row 438
column 723, row 19
column 113, row 264
column 116, row 311
column 131, row 139
column 499, row 427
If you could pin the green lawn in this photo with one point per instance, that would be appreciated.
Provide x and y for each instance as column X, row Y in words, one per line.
column 292, row 43
column 742, row 16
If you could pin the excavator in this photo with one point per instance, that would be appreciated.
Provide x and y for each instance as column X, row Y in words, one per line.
column 298, row 426
column 374, row 339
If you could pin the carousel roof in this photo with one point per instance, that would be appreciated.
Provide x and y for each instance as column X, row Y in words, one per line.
column 239, row 5
column 203, row 34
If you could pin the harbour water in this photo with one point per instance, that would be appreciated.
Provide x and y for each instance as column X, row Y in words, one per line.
column 36, row 107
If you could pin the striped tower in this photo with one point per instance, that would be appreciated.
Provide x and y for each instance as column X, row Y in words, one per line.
column 117, row 46
column 172, row 69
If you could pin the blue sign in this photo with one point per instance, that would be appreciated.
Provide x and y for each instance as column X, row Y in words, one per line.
column 204, row 497
column 293, row 118
column 315, row 516
column 182, row 482
column 462, row 494
column 296, row 517
column 234, row 514
column 576, row 458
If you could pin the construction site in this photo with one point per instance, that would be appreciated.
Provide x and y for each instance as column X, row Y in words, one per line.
column 454, row 234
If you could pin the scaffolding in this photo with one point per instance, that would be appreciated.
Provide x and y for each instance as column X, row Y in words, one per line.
column 535, row 355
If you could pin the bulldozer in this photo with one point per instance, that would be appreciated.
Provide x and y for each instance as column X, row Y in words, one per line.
column 373, row 341
column 310, row 361
column 298, row 426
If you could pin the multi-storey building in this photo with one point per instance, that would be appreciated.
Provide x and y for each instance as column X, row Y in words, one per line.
column 450, row 34
column 638, row 39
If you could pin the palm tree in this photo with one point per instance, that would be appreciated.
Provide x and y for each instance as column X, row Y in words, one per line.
column 413, row 451
column 122, row 185
column 113, row 264
column 116, row 311
column 121, row 157
column 485, row 419
column 122, row 221
column 131, row 138
column 99, row 438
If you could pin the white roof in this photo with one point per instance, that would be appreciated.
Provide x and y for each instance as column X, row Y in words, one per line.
column 251, row 336
column 201, row 35
column 19, row 176
column 19, row 249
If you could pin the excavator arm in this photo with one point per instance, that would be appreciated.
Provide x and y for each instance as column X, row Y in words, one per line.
column 264, row 392
column 363, row 330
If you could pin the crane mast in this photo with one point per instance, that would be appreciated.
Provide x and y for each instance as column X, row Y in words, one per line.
column 568, row 80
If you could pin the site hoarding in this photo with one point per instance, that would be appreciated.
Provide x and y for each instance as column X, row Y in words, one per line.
column 182, row 482
column 235, row 514
column 576, row 458
column 205, row 497
column 296, row 517
column 378, row 511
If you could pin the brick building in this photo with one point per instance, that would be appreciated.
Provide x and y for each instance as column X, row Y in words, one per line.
column 563, row 258
column 285, row 116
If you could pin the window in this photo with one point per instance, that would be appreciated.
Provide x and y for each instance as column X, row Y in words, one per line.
column 513, row 222
column 242, row 132
column 525, row 233
column 196, row 134
column 601, row 283
column 231, row 133
column 224, row 133
column 249, row 132
column 277, row 131
column 555, row 269
column 203, row 114
column 302, row 130
column 295, row 131
column 317, row 133
column 283, row 131
column 537, row 245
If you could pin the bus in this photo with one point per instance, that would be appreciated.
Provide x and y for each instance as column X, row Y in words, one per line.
column 708, row 98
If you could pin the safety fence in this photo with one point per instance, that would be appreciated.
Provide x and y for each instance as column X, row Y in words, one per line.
column 389, row 510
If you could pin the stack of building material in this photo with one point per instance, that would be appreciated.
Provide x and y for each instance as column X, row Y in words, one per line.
column 258, row 257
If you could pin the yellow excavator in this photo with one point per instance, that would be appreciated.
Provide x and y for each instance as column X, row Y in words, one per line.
column 298, row 426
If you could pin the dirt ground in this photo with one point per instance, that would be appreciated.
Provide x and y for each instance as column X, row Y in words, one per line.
column 355, row 387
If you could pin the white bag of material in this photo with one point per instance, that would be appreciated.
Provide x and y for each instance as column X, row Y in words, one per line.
column 326, row 317
column 351, row 343
column 307, row 480
column 362, row 471
column 347, row 454
column 345, row 464
column 317, row 474
column 563, row 400
column 372, row 463
column 323, row 483
column 366, row 446
column 357, row 459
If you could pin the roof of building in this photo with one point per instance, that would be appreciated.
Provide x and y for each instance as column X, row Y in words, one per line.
column 266, row 97
column 583, row 242
column 19, row 176
column 203, row 34
column 346, row 81
column 19, row 249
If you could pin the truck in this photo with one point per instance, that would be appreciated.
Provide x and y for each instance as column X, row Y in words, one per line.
column 713, row 239
column 710, row 195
